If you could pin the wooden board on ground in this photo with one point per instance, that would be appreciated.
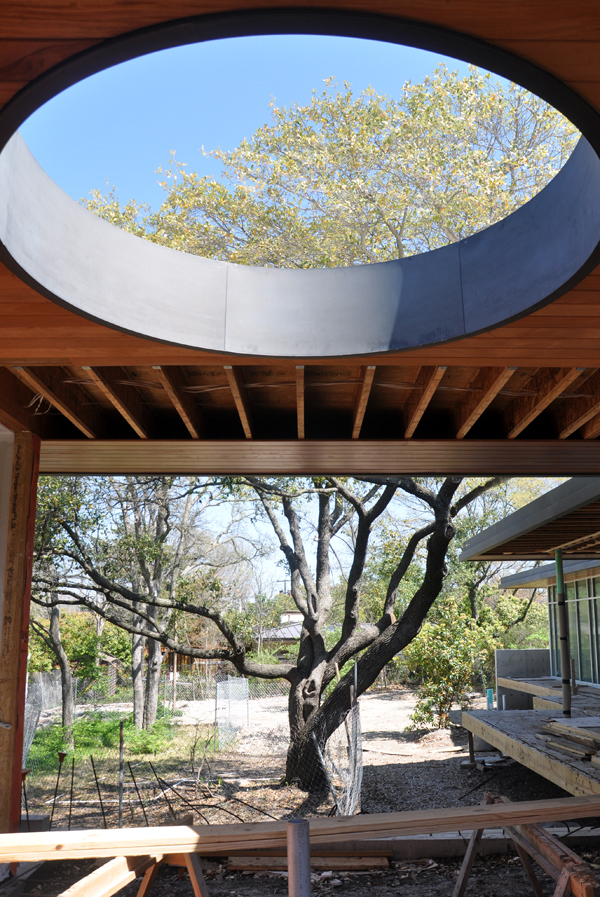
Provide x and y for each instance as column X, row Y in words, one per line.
column 317, row 864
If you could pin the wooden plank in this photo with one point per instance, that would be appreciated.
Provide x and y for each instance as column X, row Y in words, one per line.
column 547, row 385
column 317, row 863
column 489, row 381
column 174, row 384
column 50, row 385
column 428, row 379
column 363, row 398
column 471, row 852
column 194, row 869
column 592, row 428
column 126, row 400
column 34, row 846
column 434, row 457
column 112, row 877
column 15, row 398
column 563, row 744
column 300, row 401
column 239, row 397
column 15, row 621
column 528, row 687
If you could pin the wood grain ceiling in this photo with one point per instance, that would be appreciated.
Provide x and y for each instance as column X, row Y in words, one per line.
column 67, row 378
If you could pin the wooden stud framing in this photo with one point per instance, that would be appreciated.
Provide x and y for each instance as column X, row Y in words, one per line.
column 548, row 384
column 15, row 622
column 490, row 381
column 125, row 400
column 363, row 398
column 49, row 385
column 173, row 381
column 429, row 379
column 300, row 400
column 239, row 397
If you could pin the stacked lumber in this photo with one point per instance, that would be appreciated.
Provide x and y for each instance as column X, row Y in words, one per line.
column 317, row 864
column 578, row 738
column 245, row 838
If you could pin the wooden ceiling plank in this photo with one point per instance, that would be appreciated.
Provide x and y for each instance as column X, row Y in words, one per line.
column 429, row 379
column 48, row 383
column 363, row 398
column 572, row 415
column 174, row 384
column 548, row 384
column 592, row 428
column 239, row 397
column 300, row 401
column 490, row 381
column 125, row 400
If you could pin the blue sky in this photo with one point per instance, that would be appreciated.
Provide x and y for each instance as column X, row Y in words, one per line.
column 119, row 126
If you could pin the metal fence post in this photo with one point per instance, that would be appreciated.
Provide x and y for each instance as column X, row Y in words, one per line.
column 298, row 858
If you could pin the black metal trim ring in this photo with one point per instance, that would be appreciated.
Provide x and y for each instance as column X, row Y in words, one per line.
column 498, row 275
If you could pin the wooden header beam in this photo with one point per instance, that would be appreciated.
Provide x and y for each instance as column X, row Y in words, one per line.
column 468, row 457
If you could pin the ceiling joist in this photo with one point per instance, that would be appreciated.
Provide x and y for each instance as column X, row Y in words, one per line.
column 238, row 391
column 363, row 398
column 572, row 415
column 546, row 386
column 300, row 400
column 488, row 382
column 69, row 399
column 428, row 379
column 126, row 400
column 175, row 384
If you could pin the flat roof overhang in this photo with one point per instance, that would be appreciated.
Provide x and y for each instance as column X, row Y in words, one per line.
column 544, row 576
column 566, row 518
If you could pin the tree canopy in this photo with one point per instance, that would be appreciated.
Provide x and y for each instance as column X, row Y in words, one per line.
column 351, row 179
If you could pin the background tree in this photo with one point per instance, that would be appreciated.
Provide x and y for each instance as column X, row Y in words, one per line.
column 350, row 179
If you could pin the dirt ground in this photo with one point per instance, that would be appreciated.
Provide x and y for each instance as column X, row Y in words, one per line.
column 403, row 770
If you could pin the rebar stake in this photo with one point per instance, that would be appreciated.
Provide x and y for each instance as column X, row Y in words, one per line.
column 121, row 774
column 98, row 790
column 137, row 791
column 61, row 757
column 298, row 857
column 71, row 795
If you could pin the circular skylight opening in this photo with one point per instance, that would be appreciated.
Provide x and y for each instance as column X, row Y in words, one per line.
column 358, row 214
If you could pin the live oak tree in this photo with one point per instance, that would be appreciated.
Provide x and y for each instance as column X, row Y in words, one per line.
column 307, row 517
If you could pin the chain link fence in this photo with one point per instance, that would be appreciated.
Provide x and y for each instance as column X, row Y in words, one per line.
column 217, row 753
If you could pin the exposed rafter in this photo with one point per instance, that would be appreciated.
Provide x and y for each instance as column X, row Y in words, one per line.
column 16, row 410
column 576, row 412
column 300, row 400
column 428, row 378
column 363, row 398
column 174, row 383
column 547, row 385
column 488, row 382
column 126, row 400
column 69, row 399
column 239, row 397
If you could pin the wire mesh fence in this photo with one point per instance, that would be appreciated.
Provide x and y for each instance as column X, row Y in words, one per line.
column 217, row 751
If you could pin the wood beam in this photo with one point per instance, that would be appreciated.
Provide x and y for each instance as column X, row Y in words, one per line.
column 363, row 398
column 300, row 400
column 126, row 400
column 435, row 457
column 428, row 378
column 70, row 400
column 488, row 382
column 572, row 415
column 19, row 506
column 174, row 384
column 112, row 876
column 239, row 397
column 16, row 412
column 547, row 384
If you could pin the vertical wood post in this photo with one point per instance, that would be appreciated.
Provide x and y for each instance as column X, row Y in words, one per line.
column 563, row 633
column 14, row 618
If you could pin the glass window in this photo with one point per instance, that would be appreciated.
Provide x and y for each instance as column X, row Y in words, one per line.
column 571, row 591
column 554, row 647
column 551, row 594
column 595, row 583
column 585, row 641
column 581, row 586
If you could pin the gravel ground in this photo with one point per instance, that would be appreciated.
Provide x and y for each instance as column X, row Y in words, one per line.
column 403, row 770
